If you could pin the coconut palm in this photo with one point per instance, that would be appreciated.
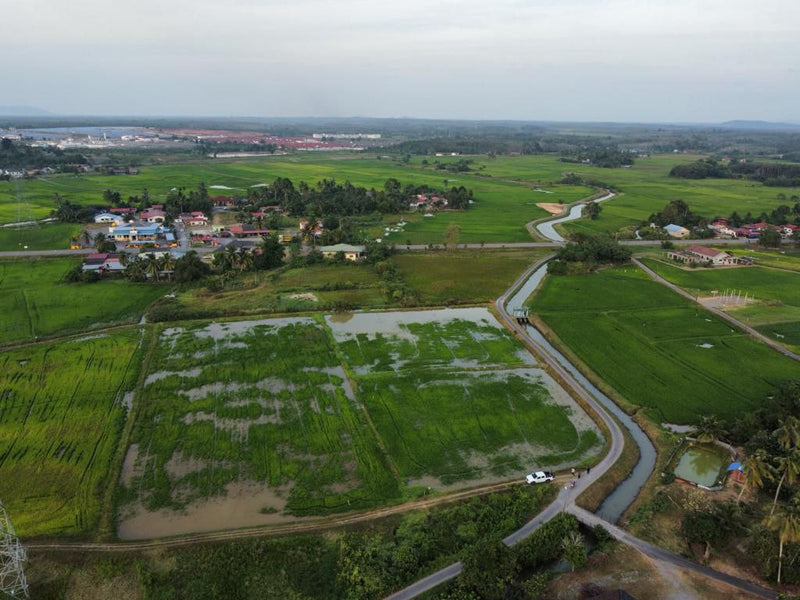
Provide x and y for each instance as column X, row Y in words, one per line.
column 574, row 549
column 757, row 470
column 788, row 434
column 789, row 468
column 787, row 523
column 708, row 430
column 244, row 259
column 152, row 267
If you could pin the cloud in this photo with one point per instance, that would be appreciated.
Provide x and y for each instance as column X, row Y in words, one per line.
column 465, row 58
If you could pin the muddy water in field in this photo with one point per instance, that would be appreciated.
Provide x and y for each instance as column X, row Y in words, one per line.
column 241, row 507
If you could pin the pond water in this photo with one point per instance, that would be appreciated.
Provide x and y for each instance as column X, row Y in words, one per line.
column 700, row 465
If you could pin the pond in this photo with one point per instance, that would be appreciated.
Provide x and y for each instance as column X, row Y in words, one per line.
column 701, row 465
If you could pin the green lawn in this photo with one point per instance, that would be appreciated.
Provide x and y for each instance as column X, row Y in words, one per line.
column 60, row 417
column 47, row 236
column 656, row 349
column 36, row 303
column 465, row 275
column 775, row 293
column 309, row 288
column 499, row 214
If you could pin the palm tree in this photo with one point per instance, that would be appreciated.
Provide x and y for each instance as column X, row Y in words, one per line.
column 244, row 259
column 152, row 267
column 789, row 468
column 166, row 263
column 708, row 430
column 574, row 549
column 788, row 434
column 757, row 469
column 787, row 523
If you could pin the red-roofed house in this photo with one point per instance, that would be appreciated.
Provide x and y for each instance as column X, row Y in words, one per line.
column 702, row 254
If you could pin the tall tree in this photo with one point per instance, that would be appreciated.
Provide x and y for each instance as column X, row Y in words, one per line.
column 757, row 470
column 789, row 468
column 787, row 523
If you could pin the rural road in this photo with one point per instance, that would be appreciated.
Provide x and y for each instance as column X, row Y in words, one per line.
column 721, row 314
column 413, row 247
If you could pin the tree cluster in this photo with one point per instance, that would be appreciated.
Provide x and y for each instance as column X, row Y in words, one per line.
column 771, row 174
column 331, row 199
column 607, row 158
column 15, row 155
column 586, row 252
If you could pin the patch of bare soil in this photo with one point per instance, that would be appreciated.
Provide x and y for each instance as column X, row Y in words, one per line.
column 554, row 208
column 241, row 507
column 627, row 569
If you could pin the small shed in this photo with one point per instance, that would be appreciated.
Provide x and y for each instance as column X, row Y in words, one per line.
column 736, row 472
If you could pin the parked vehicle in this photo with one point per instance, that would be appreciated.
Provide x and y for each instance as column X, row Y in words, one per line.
column 540, row 477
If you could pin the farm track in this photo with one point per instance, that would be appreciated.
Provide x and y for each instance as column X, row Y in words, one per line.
column 310, row 526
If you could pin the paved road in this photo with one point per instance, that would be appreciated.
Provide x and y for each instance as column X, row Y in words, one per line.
column 721, row 314
column 584, row 516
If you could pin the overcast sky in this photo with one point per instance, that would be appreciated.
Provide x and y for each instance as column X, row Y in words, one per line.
column 581, row 60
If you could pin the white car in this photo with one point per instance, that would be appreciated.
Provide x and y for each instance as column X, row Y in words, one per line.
column 540, row 477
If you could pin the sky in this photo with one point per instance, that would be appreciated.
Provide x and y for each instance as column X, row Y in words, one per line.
column 559, row 60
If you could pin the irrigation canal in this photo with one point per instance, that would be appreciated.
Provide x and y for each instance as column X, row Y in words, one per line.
column 512, row 302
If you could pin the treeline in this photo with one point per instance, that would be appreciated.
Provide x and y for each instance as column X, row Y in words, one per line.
column 608, row 158
column 329, row 198
column 22, row 156
column 680, row 213
column 770, row 174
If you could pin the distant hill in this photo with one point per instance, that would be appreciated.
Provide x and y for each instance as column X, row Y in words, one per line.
column 23, row 111
column 761, row 125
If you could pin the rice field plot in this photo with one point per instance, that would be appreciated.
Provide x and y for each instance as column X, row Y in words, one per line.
column 667, row 354
column 445, row 428
column 463, row 276
column 307, row 288
column 62, row 407
column 457, row 400
column 35, row 302
column 263, row 405
column 39, row 237
column 445, row 338
column 765, row 298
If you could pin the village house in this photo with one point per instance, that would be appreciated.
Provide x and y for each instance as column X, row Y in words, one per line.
column 703, row 255
column 248, row 231
column 103, row 263
column 193, row 219
column 107, row 218
column 139, row 233
column 676, row 231
column 317, row 228
column 223, row 201
column 428, row 202
column 353, row 253
column 153, row 215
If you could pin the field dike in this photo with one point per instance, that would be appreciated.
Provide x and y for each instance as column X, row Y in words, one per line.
column 272, row 421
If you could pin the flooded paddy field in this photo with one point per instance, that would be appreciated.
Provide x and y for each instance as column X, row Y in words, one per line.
column 257, row 422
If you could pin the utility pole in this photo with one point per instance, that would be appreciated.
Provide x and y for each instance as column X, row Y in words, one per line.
column 12, row 557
